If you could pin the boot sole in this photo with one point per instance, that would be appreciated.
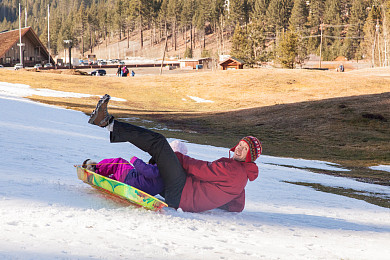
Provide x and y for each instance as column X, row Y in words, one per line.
column 94, row 114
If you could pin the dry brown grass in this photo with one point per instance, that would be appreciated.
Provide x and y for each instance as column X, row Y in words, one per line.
column 339, row 117
column 230, row 90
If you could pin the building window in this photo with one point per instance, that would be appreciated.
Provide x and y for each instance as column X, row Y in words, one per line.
column 8, row 60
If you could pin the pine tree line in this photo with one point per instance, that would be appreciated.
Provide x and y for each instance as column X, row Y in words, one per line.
column 260, row 30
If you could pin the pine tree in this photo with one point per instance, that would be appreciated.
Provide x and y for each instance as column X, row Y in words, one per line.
column 238, row 12
column 257, row 42
column 120, row 17
column 259, row 10
column 82, row 27
column 315, row 20
column 174, row 7
column 299, row 14
column 187, row 18
column 369, row 45
column 240, row 45
column 278, row 14
column 287, row 49
column 332, row 18
column 355, row 30
column 139, row 10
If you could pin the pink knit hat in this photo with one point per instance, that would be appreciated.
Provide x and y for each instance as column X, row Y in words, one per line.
column 255, row 148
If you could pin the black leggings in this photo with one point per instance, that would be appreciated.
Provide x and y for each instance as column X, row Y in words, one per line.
column 157, row 146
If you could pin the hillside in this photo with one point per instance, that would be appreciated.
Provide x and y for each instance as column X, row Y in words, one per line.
column 129, row 48
column 340, row 117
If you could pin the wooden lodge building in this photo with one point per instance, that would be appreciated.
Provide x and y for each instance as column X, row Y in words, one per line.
column 232, row 63
column 33, row 51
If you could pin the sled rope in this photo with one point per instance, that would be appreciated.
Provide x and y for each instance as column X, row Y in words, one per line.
column 77, row 165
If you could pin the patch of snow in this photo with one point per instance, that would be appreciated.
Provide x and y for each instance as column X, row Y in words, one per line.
column 385, row 168
column 302, row 163
column 200, row 100
column 22, row 90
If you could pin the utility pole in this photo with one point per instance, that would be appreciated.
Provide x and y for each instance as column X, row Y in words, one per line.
column 379, row 49
column 20, row 44
column 373, row 45
column 321, row 28
column 48, row 31
column 165, row 48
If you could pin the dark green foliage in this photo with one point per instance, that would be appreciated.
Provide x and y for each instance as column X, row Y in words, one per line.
column 278, row 14
column 287, row 50
column 188, row 53
column 205, row 53
column 299, row 15
column 355, row 32
column 240, row 44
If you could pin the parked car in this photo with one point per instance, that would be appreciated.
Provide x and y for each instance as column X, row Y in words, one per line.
column 98, row 73
column 1, row 66
column 38, row 66
column 102, row 62
column 48, row 65
column 18, row 66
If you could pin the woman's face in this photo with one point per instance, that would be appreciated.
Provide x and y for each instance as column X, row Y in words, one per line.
column 241, row 151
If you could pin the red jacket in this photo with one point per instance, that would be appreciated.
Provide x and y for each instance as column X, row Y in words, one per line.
column 218, row 184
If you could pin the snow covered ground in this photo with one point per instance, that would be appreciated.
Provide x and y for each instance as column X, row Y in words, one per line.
column 47, row 213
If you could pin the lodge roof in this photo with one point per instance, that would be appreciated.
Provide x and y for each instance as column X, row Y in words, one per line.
column 232, row 59
column 10, row 38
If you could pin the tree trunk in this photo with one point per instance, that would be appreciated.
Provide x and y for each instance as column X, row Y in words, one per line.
column 204, row 39
column 90, row 41
column 194, row 36
column 141, row 33
column 82, row 38
column 175, row 34
column 191, row 34
column 185, row 32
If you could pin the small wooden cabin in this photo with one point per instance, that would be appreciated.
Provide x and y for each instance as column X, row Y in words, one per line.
column 203, row 63
column 188, row 63
column 232, row 63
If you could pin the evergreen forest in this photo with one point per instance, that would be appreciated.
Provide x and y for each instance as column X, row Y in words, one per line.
column 287, row 31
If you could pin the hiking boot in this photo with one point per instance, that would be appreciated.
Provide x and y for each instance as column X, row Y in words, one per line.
column 100, row 115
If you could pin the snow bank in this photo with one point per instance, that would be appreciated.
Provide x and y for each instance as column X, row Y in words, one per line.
column 385, row 168
column 22, row 90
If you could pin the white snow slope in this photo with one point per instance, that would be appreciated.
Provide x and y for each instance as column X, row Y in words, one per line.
column 47, row 213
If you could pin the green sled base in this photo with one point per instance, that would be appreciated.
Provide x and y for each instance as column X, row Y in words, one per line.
column 120, row 190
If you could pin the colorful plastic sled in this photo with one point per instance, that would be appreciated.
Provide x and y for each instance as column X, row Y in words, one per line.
column 120, row 189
